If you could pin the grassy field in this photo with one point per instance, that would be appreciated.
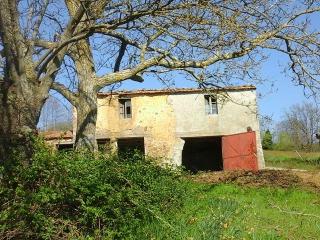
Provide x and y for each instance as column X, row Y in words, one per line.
column 233, row 212
column 229, row 211
column 292, row 159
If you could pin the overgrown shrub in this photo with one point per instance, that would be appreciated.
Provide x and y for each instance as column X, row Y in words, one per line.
column 267, row 142
column 83, row 196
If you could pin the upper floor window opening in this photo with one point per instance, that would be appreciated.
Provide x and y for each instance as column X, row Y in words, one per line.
column 211, row 104
column 125, row 107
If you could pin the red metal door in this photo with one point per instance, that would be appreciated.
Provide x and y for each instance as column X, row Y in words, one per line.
column 239, row 151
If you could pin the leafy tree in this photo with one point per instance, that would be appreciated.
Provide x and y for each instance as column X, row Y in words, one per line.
column 267, row 142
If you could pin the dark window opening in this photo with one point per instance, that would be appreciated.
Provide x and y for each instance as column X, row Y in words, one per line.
column 202, row 154
column 130, row 145
column 211, row 104
column 65, row 146
column 103, row 144
column 125, row 107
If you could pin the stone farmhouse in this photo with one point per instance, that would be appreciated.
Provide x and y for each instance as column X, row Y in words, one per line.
column 201, row 129
column 212, row 129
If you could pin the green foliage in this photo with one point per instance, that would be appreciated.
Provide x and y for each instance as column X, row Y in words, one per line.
column 78, row 195
column 270, row 212
column 267, row 142
column 227, row 211
column 203, row 217
column 284, row 142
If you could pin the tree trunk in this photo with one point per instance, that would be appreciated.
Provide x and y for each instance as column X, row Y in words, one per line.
column 21, row 93
column 86, row 99
column 86, row 120
column 86, row 104
column 18, row 121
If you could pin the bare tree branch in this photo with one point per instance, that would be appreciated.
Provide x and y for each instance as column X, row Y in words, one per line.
column 68, row 94
column 122, row 50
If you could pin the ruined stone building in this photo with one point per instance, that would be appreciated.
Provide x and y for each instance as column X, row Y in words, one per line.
column 200, row 129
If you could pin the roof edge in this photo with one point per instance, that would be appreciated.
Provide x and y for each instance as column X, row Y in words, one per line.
column 177, row 91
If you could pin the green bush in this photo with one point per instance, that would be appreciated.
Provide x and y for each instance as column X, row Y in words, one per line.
column 78, row 195
column 267, row 142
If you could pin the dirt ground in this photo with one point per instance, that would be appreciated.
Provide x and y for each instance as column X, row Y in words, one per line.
column 267, row 177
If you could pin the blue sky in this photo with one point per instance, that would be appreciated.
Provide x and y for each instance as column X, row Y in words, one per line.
column 274, row 100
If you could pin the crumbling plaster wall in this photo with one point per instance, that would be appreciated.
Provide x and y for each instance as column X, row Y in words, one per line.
column 164, row 120
column 236, row 111
column 152, row 118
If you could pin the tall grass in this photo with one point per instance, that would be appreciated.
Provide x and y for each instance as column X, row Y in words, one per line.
column 293, row 159
column 213, row 212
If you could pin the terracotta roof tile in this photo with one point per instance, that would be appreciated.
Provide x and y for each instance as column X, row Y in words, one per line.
column 51, row 135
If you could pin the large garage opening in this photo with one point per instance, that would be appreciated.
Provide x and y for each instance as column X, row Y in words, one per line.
column 202, row 154
column 130, row 145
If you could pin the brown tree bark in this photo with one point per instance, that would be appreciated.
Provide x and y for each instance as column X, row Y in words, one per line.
column 85, row 99
column 86, row 121
column 19, row 116
column 21, row 96
column 86, row 103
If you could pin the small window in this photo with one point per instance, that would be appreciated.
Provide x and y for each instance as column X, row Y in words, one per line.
column 211, row 104
column 125, row 108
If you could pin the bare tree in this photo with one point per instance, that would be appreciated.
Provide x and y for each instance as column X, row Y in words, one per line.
column 31, row 53
column 302, row 123
column 266, row 123
column 214, row 42
column 55, row 115
column 85, row 98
